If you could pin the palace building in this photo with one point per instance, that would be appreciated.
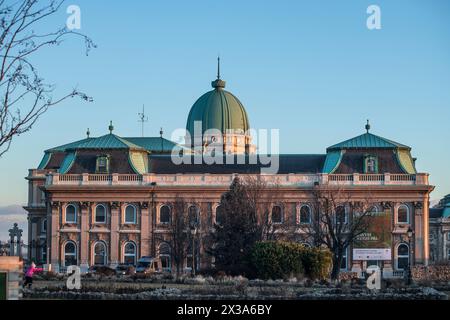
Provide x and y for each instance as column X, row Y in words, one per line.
column 107, row 200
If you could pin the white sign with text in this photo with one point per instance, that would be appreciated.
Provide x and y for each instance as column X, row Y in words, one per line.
column 372, row 254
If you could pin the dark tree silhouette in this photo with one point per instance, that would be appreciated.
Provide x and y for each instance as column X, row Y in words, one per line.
column 25, row 96
column 237, row 232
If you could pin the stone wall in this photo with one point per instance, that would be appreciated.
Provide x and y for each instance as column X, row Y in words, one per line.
column 13, row 266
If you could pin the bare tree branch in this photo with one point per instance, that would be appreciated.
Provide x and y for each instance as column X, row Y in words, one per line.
column 25, row 97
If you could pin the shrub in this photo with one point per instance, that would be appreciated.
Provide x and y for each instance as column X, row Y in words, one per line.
column 283, row 260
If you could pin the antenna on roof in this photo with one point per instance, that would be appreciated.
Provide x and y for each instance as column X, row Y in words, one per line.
column 368, row 126
column 162, row 140
column 88, row 133
column 142, row 118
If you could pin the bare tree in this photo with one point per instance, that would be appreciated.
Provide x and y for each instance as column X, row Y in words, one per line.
column 178, row 237
column 25, row 95
column 338, row 221
column 262, row 197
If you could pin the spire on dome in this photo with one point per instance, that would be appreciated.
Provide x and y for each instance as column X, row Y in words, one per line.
column 218, row 83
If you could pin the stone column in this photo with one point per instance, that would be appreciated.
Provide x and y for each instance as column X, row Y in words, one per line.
column 145, row 229
column 54, row 236
column 84, row 236
column 418, row 233
column 426, row 231
column 114, row 238
column 30, row 239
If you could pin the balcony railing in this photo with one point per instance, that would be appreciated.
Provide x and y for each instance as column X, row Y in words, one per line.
column 226, row 179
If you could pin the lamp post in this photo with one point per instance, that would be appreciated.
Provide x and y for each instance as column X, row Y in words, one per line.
column 193, row 233
column 410, row 235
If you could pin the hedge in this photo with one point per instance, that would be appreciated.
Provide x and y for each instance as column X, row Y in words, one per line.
column 282, row 260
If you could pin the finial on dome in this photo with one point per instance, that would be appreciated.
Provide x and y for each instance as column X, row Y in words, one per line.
column 218, row 83
column 368, row 126
column 111, row 127
column 161, row 132
column 88, row 133
column 218, row 67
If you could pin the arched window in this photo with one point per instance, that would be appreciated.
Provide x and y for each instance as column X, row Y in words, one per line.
column 403, row 214
column 129, row 253
column 374, row 210
column 71, row 214
column 305, row 214
column 341, row 215
column 44, row 225
column 402, row 256
column 70, row 254
column 220, row 215
column 99, row 254
column 164, row 256
column 164, row 214
column 130, row 214
column 277, row 214
column 193, row 215
column 100, row 214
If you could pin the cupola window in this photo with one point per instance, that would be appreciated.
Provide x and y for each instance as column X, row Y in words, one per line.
column 370, row 164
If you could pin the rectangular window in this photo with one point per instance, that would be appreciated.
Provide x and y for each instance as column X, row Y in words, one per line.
column 102, row 164
column 370, row 164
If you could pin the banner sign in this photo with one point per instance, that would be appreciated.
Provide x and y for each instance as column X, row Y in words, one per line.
column 371, row 254
column 378, row 234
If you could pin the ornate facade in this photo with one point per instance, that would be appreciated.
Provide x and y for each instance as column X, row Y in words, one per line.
column 107, row 200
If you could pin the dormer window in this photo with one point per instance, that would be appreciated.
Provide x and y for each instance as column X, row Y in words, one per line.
column 370, row 164
column 102, row 164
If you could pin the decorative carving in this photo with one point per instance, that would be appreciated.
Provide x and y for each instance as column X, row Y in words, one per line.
column 418, row 205
column 85, row 205
column 387, row 205
column 144, row 205
column 55, row 204
column 115, row 205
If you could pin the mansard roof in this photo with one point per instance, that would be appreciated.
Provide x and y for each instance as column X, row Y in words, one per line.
column 288, row 163
column 108, row 141
column 368, row 141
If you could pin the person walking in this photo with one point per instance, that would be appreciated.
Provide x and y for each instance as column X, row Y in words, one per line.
column 32, row 269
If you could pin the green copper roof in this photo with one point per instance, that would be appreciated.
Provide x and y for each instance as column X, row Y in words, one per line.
column 108, row 141
column 332, row 161
column 446, row 212
column 71, row 145
column 155, row 144
column 368, row 140
column 67, row 162
column 44, row 160
column 218, row 109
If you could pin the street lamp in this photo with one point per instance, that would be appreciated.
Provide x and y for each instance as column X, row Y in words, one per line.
column 193, row 233
column 410, row 235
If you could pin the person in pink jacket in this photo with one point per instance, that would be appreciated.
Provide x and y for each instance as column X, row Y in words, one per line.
column 29, row 275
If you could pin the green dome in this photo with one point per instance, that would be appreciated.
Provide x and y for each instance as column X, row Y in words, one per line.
column 218, row 109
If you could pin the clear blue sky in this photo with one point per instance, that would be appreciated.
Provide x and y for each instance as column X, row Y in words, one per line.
column 310, row 68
